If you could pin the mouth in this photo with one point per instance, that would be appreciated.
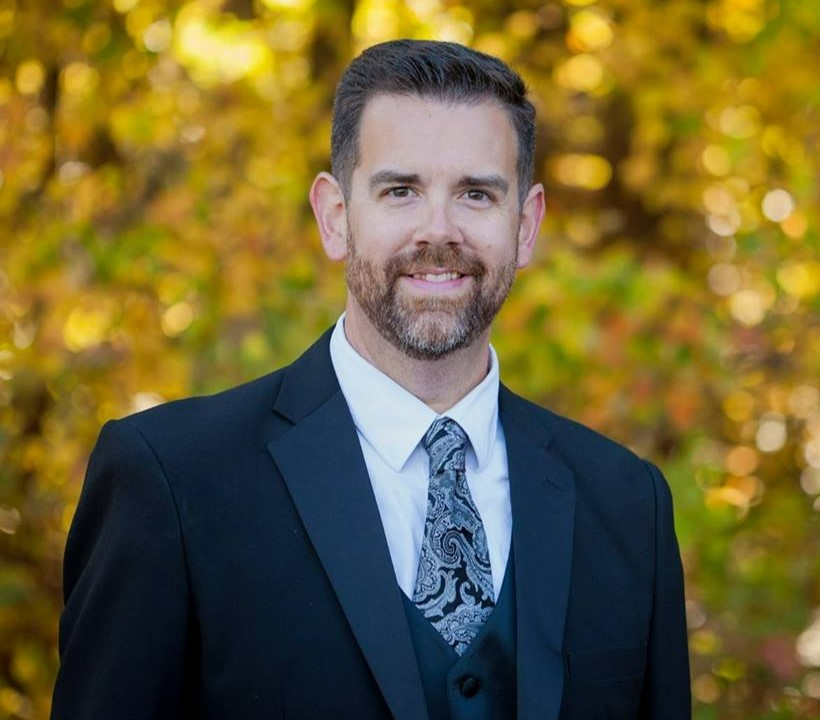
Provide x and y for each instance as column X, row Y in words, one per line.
column 437, row 282
column 436, row 268
column 437, row 276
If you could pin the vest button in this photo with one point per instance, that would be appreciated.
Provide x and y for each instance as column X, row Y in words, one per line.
column 470, row 686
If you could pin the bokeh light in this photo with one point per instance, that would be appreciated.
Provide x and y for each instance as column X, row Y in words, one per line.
column 155, row 158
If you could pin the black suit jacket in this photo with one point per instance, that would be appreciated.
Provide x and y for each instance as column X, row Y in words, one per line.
column 227, row 560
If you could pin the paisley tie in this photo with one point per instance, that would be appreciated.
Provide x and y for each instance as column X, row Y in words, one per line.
column 454, row 585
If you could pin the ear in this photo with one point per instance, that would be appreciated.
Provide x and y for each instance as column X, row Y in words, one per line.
column 532, row 213
column 328, row 203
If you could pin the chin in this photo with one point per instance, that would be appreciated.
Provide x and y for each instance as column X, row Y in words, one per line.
column 432, row 336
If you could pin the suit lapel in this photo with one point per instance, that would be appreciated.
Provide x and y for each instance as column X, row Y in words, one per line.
column 542, row 493
column 321, row 462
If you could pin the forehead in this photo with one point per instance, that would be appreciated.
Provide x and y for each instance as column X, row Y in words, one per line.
column 425, row 134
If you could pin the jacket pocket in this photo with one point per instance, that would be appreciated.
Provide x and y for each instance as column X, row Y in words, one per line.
column 607, row 664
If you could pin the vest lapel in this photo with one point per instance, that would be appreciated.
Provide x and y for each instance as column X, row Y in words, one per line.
column 542, row 492
column 321, row 462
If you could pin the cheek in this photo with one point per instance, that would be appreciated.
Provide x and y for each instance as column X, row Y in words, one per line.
column 375, row 240
column 495, row 236
column 500, row 250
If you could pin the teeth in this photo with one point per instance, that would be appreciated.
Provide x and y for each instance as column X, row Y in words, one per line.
column 439, row 277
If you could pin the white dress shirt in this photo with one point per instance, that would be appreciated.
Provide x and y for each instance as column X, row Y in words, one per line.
column 390, row 423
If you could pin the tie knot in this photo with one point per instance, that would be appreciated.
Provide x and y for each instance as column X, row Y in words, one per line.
column 445, row 443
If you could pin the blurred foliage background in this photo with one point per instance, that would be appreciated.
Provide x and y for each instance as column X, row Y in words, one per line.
column 156, row 241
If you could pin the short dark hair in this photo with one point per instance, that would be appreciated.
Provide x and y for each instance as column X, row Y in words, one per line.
column 443, row 71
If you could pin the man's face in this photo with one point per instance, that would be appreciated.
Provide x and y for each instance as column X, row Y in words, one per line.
column 433, row 222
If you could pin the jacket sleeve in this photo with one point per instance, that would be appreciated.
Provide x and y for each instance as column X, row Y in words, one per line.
column 666, row 693
column 126, row 628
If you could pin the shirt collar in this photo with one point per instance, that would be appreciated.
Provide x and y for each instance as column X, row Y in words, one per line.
column 394, row 420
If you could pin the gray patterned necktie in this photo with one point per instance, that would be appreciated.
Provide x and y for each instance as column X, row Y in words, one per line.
column 454, row 585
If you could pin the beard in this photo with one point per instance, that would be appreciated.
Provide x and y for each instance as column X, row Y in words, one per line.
column 428, row 328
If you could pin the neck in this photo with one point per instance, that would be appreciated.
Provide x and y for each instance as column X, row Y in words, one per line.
column 438, row 383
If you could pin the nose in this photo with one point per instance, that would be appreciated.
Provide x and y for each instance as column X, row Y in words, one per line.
column 437, row 225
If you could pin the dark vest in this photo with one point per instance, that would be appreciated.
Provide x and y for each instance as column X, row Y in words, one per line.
column 479, row 685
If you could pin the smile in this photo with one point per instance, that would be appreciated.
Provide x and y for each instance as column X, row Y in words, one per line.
column 437, row 277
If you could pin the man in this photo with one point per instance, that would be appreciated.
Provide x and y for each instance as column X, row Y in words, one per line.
column 380, row 530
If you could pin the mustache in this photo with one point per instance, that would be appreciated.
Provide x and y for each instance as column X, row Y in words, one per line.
column 453, row 258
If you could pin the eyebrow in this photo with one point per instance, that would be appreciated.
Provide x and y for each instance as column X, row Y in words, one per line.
column 389, row 177
column 494, row 182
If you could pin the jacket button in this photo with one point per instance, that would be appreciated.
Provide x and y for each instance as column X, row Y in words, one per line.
column 469, row 686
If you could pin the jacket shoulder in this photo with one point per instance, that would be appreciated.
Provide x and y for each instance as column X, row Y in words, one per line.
column 223, row 409
column 569, row 437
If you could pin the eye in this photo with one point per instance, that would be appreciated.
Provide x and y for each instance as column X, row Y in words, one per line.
column 399, row 192
column 476, row 195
